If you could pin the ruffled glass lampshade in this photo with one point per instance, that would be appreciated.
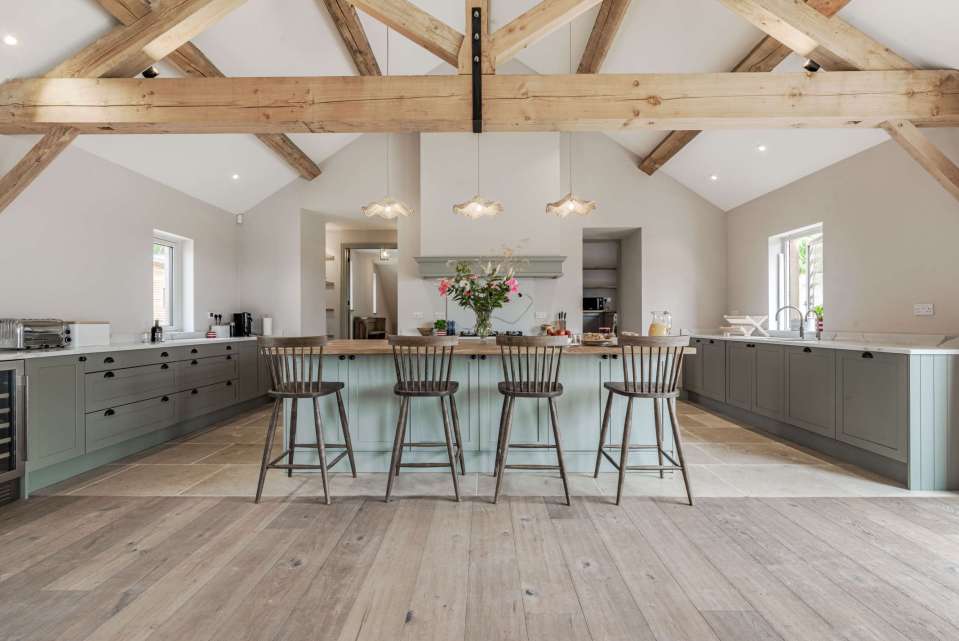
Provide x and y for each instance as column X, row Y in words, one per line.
column 388, row 208
column 478, row 207
column 570, row 204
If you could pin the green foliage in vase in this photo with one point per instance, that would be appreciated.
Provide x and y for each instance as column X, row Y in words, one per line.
column 481, row 288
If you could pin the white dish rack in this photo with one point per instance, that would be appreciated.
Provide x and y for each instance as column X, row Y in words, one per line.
column 746, row 325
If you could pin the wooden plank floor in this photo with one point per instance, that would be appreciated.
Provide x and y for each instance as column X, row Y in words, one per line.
column 85, row 568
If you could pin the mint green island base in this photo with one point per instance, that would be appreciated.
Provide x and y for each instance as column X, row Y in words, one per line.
column 372, row 410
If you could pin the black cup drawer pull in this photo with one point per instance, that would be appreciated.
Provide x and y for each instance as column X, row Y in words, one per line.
column 229, row 347
column 229, row 383
column 165, row 399
column 164, row 366
column 750, row 344
column 712, row 342
column 194, row 351
column 108, row 359
column 807, row 350
column 194, row 362
column 472, row 357
column 109, row 375
column 342, row 357
column 196, row 391
column 164, row 355
column 867, row 355
column 83, row 359
column 483, row 357
column 109, row 413
column 229, row 358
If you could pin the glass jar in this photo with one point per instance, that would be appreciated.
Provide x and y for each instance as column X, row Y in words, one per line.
column 662, row 324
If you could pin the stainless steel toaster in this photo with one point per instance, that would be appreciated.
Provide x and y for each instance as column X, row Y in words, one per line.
column 32, row 333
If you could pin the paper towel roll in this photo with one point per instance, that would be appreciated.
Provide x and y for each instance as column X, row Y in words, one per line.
column 267, row 326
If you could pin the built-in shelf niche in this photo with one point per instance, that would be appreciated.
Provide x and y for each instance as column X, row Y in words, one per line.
column 604, row 276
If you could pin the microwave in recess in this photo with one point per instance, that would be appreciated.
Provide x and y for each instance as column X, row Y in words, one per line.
column 595, row 304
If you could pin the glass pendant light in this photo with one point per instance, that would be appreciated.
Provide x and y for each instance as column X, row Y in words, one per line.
column 477, row 206
column 570, row 204
column 388, row 207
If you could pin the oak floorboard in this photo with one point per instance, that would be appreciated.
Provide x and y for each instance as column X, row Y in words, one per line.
column 668, row 610
column 496, row 611
column 609, row 607
column 941, row 517
column 437, row 610
column 347, row 526
column 740, row 626
column 322, row 599
column 553, row 610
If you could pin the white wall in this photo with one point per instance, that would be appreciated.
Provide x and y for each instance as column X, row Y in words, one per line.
column 77, row 244
column 890, row 241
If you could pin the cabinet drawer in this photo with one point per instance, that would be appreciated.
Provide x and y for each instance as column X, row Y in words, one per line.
column 873, row 402
column 811, row 389
column 740, row 374
column 122, row 386
column 203, row 400
column 199, row 372
column 768, row 389
column 713, row 363
column 210, row 349
column 118, row 424
column 104, row 361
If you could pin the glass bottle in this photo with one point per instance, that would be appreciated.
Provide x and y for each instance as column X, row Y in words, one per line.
column 661, row 324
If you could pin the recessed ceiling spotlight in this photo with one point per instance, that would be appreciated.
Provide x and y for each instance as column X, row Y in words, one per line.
column 714, row 178
column 761, row 148
column 236, row 176
column 10, row 40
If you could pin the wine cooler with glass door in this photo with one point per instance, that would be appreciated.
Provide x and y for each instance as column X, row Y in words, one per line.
column 12, row 430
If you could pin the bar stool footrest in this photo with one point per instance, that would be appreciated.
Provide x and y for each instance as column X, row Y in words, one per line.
column 425, row 465
column 531, row 466
column 532, row 446
column 653, row 468
column 276, row 465
column 619, row 446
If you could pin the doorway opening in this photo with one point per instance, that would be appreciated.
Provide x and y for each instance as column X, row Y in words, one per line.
column 368, row 290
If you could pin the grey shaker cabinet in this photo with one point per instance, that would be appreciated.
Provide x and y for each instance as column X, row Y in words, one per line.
column 693, row 368
column 811, row 389
column 873, row 410
column 740, row 374
column 713, row 355
column 55, row 422
column 769, row 386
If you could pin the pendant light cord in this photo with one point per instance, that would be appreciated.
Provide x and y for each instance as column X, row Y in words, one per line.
column 477, row 164
column 569, row 135
column 389, row 136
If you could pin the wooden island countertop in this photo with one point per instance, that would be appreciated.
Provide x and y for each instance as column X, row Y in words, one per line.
column 466, row 347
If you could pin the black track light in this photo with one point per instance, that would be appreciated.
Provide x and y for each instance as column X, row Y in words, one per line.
column 151, row 72
column 811, row 66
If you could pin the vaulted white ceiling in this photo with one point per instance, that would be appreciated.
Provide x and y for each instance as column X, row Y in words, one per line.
column 297, row 37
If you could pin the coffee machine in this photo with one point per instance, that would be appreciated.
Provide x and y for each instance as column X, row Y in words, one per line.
column 242, row 324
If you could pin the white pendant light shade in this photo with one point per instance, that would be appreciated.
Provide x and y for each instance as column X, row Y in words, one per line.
column 478, row 207
column 570, row 204
column 388, row 208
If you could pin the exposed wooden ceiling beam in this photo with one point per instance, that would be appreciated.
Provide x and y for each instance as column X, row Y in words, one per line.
column 511, row 103
column 925, row 153
column 466, row 50
column 354, row 36
column 836, row 45
column 33, row 164
column 193, row 63
column 537, row 23
column 406, row 18
column 126, row 51
column 608, row 21
column 765, row 56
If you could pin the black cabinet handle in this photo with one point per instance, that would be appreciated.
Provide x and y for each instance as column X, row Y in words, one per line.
column 352, row 357
column 109, row 413
column 82, row 359
column 472, row 357
column 229, row 357
column 711, row 341
column 750, row 344
column 196, row 391
column 165, row 399
column 867, row 355
column 483, row 357
column 615, row 357
column 229, row 383
column 807, row 350
column 229, row 347
column 109, row 375
column 194, row 362
column 605, row 357
column 194, row 351
column 108, row 359
column 164, row 355
column 342, row 357
column 164, row 366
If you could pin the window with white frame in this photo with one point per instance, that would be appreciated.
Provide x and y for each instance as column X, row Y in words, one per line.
column 797, row 272
column 168, row 279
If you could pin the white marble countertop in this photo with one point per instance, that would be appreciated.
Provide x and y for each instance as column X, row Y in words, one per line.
column 115, row 347
column 891, row 344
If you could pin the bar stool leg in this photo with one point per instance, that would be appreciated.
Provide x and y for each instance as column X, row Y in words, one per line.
column 603, row 432
column 624, row 452
column 293, row 403
column 268, row 448
column 559, row 447
column 459, row 437
column 345, row 426
column 449, row 448
column 658, row 413
column 499, row 436
column 504, row 450
column 671, row 404
column 397, row 442
column 321, row 448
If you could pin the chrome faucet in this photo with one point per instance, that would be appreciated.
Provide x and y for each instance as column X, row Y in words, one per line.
column 816, row 317
column 802, row 319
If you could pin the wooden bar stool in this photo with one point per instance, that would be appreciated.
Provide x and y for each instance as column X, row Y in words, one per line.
column 652, row 373
column 424, row 365
column 530, row 370
column 296, row 370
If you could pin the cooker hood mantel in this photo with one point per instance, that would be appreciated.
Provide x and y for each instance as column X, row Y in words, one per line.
column 526, row 266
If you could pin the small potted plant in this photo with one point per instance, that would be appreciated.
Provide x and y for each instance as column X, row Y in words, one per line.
column 439, row 327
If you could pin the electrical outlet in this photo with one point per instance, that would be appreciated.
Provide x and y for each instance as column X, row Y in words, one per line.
column 540, row 316
column 923, row 309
